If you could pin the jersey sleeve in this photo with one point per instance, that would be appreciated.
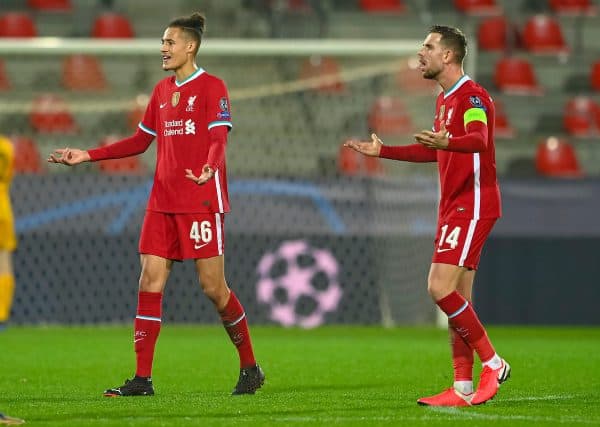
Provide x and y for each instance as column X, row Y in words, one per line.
column 474, row 110
column 148, row 123
column 218, row 107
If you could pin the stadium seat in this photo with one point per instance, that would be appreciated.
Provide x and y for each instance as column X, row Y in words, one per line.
column 382, row 6
column 516, row 76
column 556, row 157
column 326, row 68
column 49, row 114
column 82, row 73
column 477, row 7
column 353, row 163
column 581, row 117
column 125, row 166
column 50, row 5
column 542, row 34
column 4, row 80
column 136, row 113
column 27, row 156
column 112, row 25
column 17, row 24
column 493, row 34
column 595, row 76
column 573, row 7
column 388, row 116
column 503, row 129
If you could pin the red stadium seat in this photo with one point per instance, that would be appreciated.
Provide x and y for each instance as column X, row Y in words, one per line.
column 516, row 76
column 4, row 81
column 50, row 5
column 595, row 76
column 477, row 7
column 27, row 156
column 582, row 117
column 50, row 114
column 112, row 25
column 125, row 166
column 382, row 6
column 493, row 34
column 319, row 67
column 83, row 73
column 353, row 163
column 388, row 116
column 503, row 129
column 555, row 157
column 573, row 7
column 136, row 114
column 17, row 24
column 542, row 35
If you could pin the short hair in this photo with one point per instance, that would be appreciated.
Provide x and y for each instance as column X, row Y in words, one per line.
column 193, row 26
column 452, row 38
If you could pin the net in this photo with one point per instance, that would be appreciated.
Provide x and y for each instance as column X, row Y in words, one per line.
column 315, row 232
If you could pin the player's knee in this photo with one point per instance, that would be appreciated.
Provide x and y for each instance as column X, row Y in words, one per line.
column 214, row 287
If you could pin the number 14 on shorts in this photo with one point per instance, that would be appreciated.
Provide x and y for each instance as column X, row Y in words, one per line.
column 448, row 241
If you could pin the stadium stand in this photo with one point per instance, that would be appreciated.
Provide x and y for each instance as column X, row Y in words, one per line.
column 542, row 34
column 388, row 116
column 27, row 156
column 112, row 25
column 493, row 34
column 573, row 7
column 556, row 157
column 17, row 24
column 581, row 117
column 382, row 6
column 4, row 80
column 319, row 66
column 478, row 7
column 83, row 73
column 516, row 76
column 595, row 76
column 50, row 114
column 50, row 5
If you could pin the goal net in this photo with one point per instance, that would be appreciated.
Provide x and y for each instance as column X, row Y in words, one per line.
column 316, row 235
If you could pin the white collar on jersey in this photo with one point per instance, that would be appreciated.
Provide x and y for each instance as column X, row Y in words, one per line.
column 457, row 85
column 195, row 74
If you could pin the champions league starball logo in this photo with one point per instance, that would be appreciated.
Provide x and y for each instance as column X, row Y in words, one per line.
column 299, row 283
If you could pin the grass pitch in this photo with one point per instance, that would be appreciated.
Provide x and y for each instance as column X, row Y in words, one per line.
column 348, row 376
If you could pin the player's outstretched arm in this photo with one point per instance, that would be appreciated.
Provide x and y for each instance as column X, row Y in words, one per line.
column 207, row 173
column 369, row 148
column 69, row 156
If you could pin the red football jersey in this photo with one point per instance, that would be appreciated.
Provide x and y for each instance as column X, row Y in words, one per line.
column 469, row 187
column 180, row 115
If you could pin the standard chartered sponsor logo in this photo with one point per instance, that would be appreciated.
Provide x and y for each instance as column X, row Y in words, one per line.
column 190, row 127
column 178, row 127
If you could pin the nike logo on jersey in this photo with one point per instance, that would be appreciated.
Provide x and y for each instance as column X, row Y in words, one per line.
column 439, row 251
column 200, row 246
column 163, row 105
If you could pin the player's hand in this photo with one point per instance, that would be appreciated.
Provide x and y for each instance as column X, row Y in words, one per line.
column 69, row 156
column 369, row 148
column 207, row 173
column 431, row 139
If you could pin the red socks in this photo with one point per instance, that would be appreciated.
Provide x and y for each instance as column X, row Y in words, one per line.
column 234, row 321
column 462, row 357
column 147, row 327
column 463, row 319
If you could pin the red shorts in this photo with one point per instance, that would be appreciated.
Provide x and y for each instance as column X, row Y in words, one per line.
column 459, row 241
column 183, row 236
